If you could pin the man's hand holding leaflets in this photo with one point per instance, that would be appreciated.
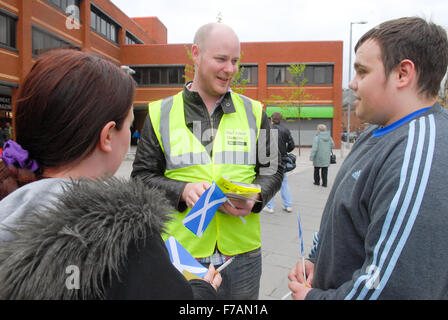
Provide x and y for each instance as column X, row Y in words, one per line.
column 241, row 197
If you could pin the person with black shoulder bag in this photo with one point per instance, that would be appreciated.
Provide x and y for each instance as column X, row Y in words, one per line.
column 322, row 154
column 285, row 145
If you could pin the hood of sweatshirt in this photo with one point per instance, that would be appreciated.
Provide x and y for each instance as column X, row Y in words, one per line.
column 33, row 195
column 88, row 224
column 324, row 136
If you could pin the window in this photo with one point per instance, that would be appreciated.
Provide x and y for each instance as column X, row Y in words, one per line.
column 43, row 42
column 103, row 25
column 316, row 74
column 64, row 4
column 131, row 39
column 159, row 75
column 319, row 74
column 250, row 73
column 7, row 31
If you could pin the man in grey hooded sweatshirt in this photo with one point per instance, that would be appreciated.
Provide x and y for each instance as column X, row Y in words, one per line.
column 320, row 154
column 384, row 228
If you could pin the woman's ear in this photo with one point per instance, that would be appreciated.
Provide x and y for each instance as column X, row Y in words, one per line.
column 105, row 143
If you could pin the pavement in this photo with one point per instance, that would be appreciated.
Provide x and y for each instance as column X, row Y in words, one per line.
column 279, row 230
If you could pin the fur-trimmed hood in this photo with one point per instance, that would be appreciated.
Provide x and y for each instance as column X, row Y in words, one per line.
column 87, row 228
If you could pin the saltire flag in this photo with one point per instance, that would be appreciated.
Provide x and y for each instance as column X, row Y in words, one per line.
column 183, row 260
column 204, row 210
column 300, row 235
column 302, row 251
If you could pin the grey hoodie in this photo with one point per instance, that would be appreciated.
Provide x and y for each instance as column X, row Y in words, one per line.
column 14, row 207
column 384, row 229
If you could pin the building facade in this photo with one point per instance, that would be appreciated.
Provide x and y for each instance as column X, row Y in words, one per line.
column 30, row 27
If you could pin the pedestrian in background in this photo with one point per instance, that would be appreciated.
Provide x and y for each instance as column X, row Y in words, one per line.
column 8, row 130
column 323, row 145
column 136, row 137
column 285, row 144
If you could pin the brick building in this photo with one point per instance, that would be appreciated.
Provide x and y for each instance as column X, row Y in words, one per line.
column 31, row 27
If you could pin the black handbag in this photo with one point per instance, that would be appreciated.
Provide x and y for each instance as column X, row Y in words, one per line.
column 289, row 162
column 332, row 158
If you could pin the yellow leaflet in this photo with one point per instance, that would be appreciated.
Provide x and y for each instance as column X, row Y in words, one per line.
column 239, row 188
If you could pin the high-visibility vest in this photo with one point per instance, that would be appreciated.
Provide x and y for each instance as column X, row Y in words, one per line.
column 233, row 156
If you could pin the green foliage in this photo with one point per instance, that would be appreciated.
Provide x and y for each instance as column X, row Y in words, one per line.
column 295, row 94
column 219, row 17
column 189, row 68
column 238, row 84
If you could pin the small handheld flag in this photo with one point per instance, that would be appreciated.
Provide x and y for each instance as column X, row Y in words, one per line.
column 183, row 260
column 301, row 246
column 286, row 296
column 204, row 210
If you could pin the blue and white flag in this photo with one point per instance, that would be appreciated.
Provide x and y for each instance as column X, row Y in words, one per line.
column 300, row 235
column 204, row 210
column 183, row 260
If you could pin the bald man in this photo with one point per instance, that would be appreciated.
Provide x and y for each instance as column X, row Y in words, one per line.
column 201, row 134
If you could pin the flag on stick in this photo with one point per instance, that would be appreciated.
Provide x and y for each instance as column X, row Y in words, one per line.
column 183, row 260
column 301, row 246
column 204, row 210
column 300, row 234
column 302, row 253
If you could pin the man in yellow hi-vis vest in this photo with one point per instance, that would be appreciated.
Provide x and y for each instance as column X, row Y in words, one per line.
column 201, row 134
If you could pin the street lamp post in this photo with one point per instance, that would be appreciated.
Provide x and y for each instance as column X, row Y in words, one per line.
column 350, row 76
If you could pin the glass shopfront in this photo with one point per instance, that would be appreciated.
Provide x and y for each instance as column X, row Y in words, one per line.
column 5, row 105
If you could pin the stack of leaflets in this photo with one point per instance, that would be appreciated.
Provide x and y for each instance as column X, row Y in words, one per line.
column 238, row 190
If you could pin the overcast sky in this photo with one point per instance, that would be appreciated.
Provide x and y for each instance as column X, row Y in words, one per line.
column 283, row 20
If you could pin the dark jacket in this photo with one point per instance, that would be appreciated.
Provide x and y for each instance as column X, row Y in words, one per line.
column 149, row 164
column 285, row 141
column 4, row 136
column 110, row 231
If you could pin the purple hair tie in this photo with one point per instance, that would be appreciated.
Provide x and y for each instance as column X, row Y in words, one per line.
column 14, row 154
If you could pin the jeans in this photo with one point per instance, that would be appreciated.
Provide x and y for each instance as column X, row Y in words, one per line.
column 324, row 175
column 286, row 195
column 241, row 279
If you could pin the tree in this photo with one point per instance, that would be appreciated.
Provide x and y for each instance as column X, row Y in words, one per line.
column 295, row 94
column 189, row 68
column 239, row 83
column 219, row 17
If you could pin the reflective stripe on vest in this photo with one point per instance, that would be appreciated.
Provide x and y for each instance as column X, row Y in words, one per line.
column 234, row 156
column 229, row 157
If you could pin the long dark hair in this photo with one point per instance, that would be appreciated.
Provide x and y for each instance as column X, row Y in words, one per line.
column 62, row 106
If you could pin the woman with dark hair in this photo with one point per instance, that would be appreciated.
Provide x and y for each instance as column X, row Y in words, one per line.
column 67, row 229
